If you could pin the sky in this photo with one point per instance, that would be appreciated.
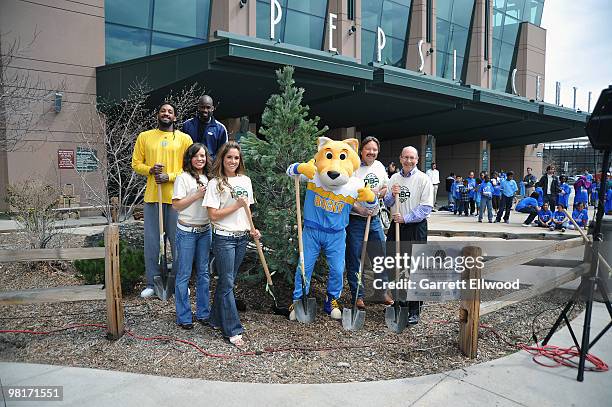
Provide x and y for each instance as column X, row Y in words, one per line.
column 578, row 49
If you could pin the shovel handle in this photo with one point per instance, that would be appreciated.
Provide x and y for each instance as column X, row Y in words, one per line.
column 299, row 226
column 259, row 248
column 397, row 238
column 161, row 211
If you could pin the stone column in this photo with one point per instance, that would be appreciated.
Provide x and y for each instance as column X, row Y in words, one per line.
column 530, row 60
column 345, row 38
column 418, row 32
column 479, row 70
column 228, row 16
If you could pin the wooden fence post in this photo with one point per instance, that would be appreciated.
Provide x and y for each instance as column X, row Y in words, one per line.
column 469, row 311
column 112, row 282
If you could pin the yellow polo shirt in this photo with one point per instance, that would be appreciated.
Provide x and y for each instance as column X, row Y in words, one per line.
column 164, row 147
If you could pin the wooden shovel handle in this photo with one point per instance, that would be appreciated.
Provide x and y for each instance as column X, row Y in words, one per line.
column 299, row 221
column 397, row 238
column 161, row 210
column 259, row 248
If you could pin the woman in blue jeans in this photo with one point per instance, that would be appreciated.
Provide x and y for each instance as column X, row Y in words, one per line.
column 226, row 196
column 193, row 235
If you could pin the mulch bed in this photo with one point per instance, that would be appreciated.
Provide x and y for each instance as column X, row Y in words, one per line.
column 280, row 351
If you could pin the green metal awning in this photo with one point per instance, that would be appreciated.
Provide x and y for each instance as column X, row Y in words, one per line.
column 380, row 100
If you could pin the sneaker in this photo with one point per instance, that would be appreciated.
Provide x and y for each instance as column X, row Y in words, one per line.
column 332, row 307
column 526, row 225
column 479, row 220
column 146, row 293
column 551, row 228
column 292, row 312
column 562, row 230
column 413, row 319
column 490, row 220
column 185, row 326
column 507, row 222
column 238, row 342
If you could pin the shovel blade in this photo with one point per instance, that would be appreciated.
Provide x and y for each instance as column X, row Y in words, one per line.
column 353, row 319
column 305, row 315
column 396, row 318
column 164, row 289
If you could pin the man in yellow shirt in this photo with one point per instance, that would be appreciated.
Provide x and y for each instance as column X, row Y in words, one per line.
column 158, row 155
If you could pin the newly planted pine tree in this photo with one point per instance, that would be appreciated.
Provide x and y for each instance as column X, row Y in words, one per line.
column 287, row 136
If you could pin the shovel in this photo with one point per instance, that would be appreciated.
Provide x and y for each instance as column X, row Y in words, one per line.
column 163, row 285
column 269, row 286
column 305, row 308
column 396, row 316
column 353, row 319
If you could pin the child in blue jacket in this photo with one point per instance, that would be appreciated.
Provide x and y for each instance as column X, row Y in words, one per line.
column 564, row 192
column 559, row 219
column 580, row 216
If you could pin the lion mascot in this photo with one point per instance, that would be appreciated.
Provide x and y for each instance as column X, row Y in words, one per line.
column 331, row 192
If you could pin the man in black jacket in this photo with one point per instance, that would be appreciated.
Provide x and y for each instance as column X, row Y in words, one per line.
column 550, row 185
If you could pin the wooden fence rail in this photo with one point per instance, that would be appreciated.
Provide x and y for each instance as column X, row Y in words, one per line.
column 111, row 292
column 471, row 309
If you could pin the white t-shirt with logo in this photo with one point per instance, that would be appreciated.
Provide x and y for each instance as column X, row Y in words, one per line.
column 185, row 185
column 374, row 175
column 237, row 221
column 415, row 190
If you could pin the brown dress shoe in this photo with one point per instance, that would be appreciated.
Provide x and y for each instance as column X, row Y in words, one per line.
column 388, row 300
column 360, row 303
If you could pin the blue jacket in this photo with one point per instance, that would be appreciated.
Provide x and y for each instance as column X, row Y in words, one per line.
column 608, row 206
column 471, row 187
column 525, row 202
column 563, row 198
column 541, row 197
column 213, row 134
column 509, row 187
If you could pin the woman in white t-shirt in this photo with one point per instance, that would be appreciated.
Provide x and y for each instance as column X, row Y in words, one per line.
column 193, row 235
column 227, row 195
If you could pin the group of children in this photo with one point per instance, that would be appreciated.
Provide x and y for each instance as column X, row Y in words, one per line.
column 475, row 196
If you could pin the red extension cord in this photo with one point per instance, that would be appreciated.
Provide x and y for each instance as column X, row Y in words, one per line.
column 559, row 356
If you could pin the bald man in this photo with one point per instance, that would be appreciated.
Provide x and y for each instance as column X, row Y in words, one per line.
column 413, row 191
column 204, row 128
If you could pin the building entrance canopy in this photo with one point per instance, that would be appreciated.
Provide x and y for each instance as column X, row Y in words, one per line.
column 379, row 100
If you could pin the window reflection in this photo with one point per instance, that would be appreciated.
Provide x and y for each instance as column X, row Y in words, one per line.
column 138, row 28
column 392, row 16
column 302, row 22
column 452, row 34
column 123, row 43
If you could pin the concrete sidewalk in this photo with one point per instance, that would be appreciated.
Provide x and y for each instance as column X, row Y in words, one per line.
column 509, row 381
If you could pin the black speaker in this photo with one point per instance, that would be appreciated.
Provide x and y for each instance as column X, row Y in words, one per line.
column 599, row 126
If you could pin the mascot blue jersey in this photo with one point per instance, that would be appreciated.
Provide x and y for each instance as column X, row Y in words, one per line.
column 325, row 209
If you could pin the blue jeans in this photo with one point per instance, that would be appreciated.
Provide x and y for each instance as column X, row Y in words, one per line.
column 151, row 237
column 485, row 202
column 354, row 242
column 190, row 246
column 229, row 253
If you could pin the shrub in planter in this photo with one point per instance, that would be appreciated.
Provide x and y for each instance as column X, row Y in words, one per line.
column 131, row 267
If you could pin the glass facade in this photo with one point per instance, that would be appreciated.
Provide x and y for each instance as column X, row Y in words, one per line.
column 507, row 15
column 452, row 28
column 302, row 22
column 392, row 16
column 138, row 28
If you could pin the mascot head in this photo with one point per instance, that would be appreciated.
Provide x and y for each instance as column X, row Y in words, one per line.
column 336, row 160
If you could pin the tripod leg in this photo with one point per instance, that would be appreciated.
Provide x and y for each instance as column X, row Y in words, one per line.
column 564, row 313
column 586, row 329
